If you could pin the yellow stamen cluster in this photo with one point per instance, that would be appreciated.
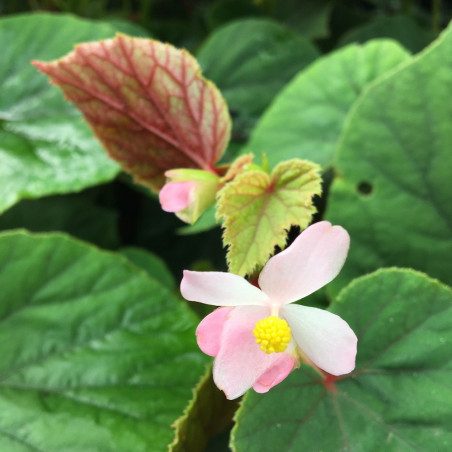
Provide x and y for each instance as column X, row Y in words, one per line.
column 273, row 334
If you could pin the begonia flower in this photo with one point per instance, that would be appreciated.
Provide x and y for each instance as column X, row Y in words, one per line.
column 188, row 193
column 258, row 335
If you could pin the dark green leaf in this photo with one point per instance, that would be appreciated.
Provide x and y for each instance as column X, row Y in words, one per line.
column 311, row 19
column 394, row 164
column 307, row 117
column 77, row 215
column 208, row 413
column 152, row 264
column 403, row 29
column 264, row 57
column 398, row 398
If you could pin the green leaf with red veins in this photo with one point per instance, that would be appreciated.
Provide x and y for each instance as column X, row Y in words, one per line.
column 148, row 104
column 258, row 208
column 398, row 398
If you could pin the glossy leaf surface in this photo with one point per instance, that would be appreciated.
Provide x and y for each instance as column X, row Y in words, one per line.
column 45, row 146
column 91, row 346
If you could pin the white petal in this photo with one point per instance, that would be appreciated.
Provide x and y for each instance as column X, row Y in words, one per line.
column 313, row 260
column 240, row 363
column 325, row 338
column 220, row 289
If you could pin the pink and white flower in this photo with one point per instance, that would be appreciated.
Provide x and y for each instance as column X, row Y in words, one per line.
column 188, row 192
column 258, row 336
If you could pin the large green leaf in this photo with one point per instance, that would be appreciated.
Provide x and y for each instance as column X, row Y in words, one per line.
column 76, row 214
column 394, row 164
column 95, row 354
column 307, row 117
column 398, row 398
column 264, row 57
column 45, row 147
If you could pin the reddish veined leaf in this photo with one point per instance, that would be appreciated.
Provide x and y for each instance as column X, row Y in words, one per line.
column 147, row 102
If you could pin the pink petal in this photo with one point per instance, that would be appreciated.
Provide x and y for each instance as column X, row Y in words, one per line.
column 313, row 260
column 210, row 329
column 220, row 289
column 175, row 196
column 325, row 338
column 280, row 370
column 240, row 363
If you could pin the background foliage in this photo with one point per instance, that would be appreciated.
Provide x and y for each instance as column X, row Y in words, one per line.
column 94, row 335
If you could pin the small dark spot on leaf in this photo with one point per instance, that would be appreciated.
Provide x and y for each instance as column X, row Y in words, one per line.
column 365, row 188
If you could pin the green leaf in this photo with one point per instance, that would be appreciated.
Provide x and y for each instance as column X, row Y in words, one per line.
column 307, row 117
column 398, row 398
column 403, row 29
column 151, row 263
column 258, row 208
column 76, row 214
column 207, row 414
column 96, row 356
column 129, row 28
column 45, row 146
column 221, row 12
column 264, row 57
column 311, row 19
column 148, row 104
column 393, row 162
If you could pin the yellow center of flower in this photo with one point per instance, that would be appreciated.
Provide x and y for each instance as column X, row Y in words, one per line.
column 273, row 334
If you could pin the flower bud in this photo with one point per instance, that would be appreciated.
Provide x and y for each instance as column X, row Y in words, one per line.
column 188, row 193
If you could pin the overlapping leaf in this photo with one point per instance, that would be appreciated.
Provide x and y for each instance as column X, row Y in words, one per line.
column 45, row 146
column 264, row 57
column 394, row 164
column 397, row 399
column 95, row 354
column 147, row 103
column 307, row 117
column 258, row 208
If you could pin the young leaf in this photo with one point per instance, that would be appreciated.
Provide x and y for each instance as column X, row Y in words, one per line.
column 394, row 162
column 307, row 117
column 147, row 103
column 258, row 208
column 398, row 398
column 45, row 146
column 95, row 354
